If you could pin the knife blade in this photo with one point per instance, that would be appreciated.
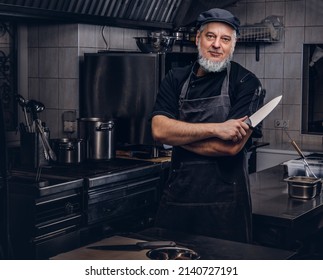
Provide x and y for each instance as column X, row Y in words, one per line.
column 135, row 247
column 263, row 112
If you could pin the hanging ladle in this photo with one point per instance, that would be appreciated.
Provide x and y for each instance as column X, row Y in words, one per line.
column 298, row 150
column 35, row 106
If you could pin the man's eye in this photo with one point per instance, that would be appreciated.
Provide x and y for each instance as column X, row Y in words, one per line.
column 210, row 37
column 226, row 40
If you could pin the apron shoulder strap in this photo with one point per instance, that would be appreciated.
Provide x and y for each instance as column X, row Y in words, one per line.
column 226, row 82
column 224, row 88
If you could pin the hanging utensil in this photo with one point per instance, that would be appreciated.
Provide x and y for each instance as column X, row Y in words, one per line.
column 298, row 150
column 22, row 102
column 47, row 147
column 36, row 107
column 46, row 154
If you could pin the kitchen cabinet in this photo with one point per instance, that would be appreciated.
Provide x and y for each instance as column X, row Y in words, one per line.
column 73, row 205
column 45, row 217
column 122, row 201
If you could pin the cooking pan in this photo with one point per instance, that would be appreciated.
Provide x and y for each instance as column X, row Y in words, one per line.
column 99, row 136
column 69, row 150
column 303, row 187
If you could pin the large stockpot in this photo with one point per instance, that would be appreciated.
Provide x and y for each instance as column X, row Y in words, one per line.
column 69, row 150
column 99, row 137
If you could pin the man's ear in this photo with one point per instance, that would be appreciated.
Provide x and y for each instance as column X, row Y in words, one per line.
column 198, row 35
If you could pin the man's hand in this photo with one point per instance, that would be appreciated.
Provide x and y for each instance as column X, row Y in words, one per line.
column 234, row 129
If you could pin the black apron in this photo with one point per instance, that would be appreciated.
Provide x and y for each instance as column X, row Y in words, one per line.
column 208, row 196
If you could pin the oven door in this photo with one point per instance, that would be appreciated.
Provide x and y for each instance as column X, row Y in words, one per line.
column 107, row 204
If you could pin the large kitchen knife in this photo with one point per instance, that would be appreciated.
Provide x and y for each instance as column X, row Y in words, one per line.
column 135, row 247
column 263, row 112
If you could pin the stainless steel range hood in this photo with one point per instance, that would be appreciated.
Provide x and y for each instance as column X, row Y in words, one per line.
column 167, row 14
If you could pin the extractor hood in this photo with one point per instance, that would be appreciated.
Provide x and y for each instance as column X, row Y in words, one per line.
column 165, row 14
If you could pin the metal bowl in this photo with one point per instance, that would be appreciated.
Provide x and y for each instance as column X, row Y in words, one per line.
column 155, row 44
column 303, row 187
column 172, row 253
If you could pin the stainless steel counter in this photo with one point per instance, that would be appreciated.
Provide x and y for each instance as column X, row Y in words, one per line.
column 281, row 221
column 270, row 199
column 208, row 248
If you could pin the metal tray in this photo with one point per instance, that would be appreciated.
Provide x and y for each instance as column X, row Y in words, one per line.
column 303, row 187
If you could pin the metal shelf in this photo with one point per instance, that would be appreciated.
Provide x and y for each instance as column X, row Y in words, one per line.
column 260, row 34
column 269, row 30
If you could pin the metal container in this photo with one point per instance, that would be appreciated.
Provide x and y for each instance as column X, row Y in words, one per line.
column 295, row 167
column 69, row 151
column 172, row 253
column 155, row 44
column 99, row 137
column 303, row 187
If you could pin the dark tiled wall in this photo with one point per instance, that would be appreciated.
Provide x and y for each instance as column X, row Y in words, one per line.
column 54, row 53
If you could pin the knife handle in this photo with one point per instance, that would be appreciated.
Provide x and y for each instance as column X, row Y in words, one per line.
column 248, row 122
column 155, row 244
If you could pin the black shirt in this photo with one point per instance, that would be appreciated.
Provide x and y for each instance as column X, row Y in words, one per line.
column 246, row 94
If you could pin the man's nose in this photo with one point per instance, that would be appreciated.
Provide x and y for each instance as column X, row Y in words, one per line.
column 216, row 43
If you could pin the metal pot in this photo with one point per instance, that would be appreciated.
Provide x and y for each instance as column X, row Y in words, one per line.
column 181, row 34
column 69, row 151
column 99, row 137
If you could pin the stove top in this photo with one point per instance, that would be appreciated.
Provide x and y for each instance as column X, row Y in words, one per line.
column 91, row 168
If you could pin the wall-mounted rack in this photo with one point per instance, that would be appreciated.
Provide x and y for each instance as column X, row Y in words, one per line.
column 270, row 30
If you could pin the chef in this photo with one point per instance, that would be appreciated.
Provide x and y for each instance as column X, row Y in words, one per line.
column 200, row 111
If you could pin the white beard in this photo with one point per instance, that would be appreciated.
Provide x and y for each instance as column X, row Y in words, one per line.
column 213, row 66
